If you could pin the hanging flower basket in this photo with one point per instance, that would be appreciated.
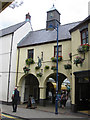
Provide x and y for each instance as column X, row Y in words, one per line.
column 39, row 74
column 54, row 59
column 46, row 67
column 26, row 70
column 68, row 66
column 37, row 67
column 78, row 60
column 83, row 48
column 29, row 61
column 53, row 68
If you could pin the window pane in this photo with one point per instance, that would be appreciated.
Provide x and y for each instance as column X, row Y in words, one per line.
column 55, row 54
column 87, row 33
column 30, row 53
column 59, row 48
column 84, row 41
column 87, row 40
column 83, row 35
column 59, row 54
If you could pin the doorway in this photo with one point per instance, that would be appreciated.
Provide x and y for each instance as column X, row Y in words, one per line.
column 31, row 87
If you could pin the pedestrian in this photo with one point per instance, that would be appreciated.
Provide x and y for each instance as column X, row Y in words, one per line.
column 29, row 104
column 15, row 99
column 63, row 99
column 59, row 100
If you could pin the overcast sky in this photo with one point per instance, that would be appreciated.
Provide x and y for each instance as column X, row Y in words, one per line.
column 71, row 11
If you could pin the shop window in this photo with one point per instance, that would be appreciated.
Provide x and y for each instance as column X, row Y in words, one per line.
column 59, row 50
column 84, row 36
column 30, row 53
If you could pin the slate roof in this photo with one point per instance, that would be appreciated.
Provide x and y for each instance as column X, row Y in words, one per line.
column 43, row 36
column 86, row 20
column 11, row 29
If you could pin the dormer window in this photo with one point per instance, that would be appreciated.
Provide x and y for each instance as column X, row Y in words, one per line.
column 84, row 36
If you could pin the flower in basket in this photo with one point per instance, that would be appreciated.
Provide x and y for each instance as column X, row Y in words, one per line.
column 78, row 60
column 83, row 48
column 54, row 59
column 53, row 68
column 68, row 66
column 59, row 58
column 39, row 74
column 29, row 61
column 46, row 67
column 26, row 69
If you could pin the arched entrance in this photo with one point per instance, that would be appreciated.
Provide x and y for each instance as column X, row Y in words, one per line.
column 51, row 86
column 31, row 87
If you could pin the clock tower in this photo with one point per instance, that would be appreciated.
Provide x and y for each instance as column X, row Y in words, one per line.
column 53, row 18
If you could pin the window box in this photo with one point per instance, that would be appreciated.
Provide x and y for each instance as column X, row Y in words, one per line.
column 54, row 59
column 78, row 60
column 68, row 66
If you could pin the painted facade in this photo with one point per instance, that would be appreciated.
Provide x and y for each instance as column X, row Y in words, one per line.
column 48, row 52
column 43, row 41
column 9, row 37
column 81, row 72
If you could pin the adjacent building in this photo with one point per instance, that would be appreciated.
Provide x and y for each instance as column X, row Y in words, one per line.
column 81, row 67
column 9, row 37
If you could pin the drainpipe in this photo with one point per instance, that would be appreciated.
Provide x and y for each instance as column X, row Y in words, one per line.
column 10, row 67
column 17, row 66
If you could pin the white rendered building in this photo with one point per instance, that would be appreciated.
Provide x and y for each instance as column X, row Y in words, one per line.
column 9, row 38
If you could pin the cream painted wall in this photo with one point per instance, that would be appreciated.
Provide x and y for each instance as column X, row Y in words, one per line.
column 48, row 52
column 76, row 42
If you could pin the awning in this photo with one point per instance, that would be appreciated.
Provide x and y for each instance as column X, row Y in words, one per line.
column 63, row 87
column 54, row 84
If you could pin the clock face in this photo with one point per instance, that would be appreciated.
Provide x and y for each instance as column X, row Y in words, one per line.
column 51, row 15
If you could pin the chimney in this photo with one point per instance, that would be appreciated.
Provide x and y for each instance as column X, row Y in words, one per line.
column 88, row 8
column 28, row 17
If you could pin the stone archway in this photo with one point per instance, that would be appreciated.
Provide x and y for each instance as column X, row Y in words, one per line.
column 51, row 86
column 30, row 86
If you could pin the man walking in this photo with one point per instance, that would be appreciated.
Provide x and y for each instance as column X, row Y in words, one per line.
column 15, row 99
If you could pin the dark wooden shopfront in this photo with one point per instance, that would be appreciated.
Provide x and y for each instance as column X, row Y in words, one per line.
column 82, row 90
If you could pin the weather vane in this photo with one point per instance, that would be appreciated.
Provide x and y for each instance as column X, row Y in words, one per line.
column 54, row 2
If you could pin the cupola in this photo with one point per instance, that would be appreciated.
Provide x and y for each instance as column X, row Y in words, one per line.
column 53, row 17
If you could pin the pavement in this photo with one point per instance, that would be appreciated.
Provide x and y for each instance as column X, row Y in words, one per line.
column 42, row 112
